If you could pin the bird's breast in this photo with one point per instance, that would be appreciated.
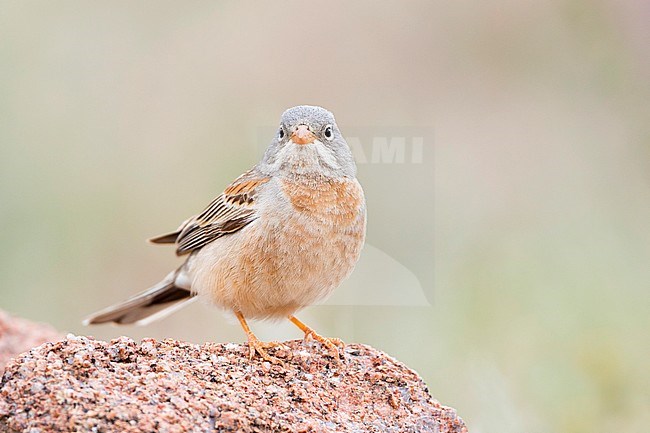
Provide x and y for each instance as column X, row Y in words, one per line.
column 333, row 202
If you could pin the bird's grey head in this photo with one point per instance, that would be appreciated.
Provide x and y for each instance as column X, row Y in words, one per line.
column 308, row 143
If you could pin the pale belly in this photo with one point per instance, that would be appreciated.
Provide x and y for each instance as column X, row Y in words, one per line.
column 273, row 268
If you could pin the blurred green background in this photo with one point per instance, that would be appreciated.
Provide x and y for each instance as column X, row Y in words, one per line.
column 525, row 226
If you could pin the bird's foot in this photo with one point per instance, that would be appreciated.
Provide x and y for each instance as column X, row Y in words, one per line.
column 331, row 343
column 256, row 345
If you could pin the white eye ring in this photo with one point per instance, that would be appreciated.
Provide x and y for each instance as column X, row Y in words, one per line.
column 281, row 133
column 328, row 133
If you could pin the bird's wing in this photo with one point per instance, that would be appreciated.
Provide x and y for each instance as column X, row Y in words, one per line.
column 229, row 212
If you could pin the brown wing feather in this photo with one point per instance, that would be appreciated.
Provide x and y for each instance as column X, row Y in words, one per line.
column 229, row 212
column 168, row 238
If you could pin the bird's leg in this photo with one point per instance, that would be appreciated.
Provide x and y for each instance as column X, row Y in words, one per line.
column 254, row 343
column 332, row 344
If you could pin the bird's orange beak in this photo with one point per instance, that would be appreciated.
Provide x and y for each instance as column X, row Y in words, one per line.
column 302, row 135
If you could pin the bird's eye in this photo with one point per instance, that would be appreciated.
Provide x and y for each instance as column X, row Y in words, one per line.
column 281, row 133
column 329, row 132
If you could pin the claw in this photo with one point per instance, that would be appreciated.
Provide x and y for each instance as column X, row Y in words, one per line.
column 332, row 344
column 255, row 345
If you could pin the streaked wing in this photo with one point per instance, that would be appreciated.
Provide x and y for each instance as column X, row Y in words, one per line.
column 229, row 212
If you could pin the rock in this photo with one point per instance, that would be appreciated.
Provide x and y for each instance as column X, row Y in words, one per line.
column 82, row 384
column 18, row 335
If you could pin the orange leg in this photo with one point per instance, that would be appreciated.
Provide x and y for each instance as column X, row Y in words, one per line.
column 332, row 344
column 254, row 343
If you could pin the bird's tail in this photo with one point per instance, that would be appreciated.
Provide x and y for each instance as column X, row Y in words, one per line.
column 160, row 300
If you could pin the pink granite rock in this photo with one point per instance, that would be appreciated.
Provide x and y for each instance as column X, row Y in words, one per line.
column 81, row 384
column 19, row 335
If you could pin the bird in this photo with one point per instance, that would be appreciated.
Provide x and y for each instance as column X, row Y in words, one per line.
column 282, row 236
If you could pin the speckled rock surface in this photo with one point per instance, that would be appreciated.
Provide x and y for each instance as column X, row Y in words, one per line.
column 81, row 384
column 19, row 335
